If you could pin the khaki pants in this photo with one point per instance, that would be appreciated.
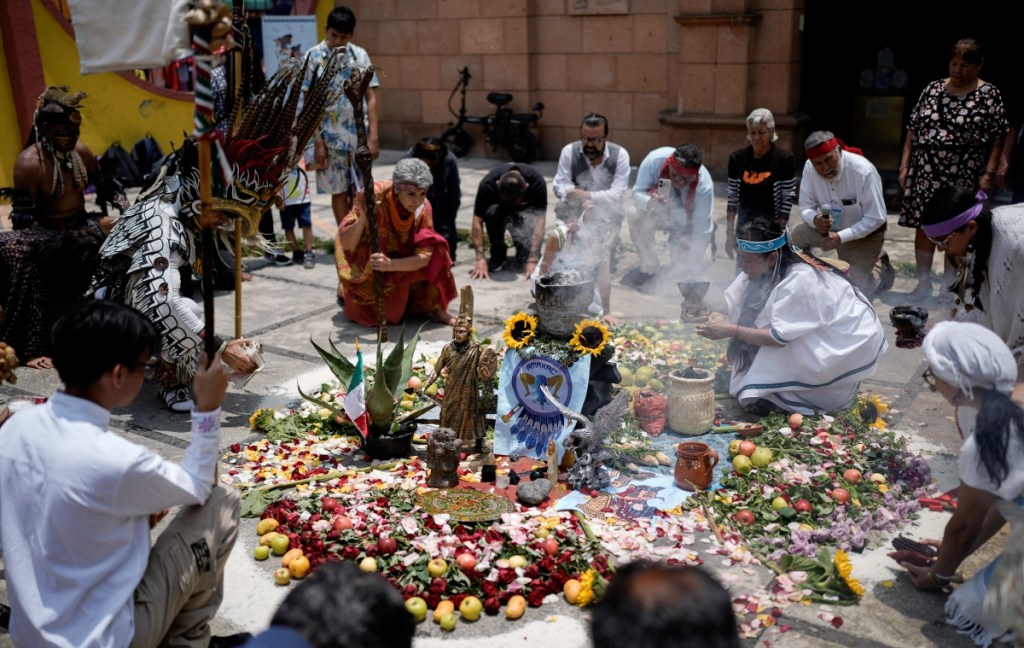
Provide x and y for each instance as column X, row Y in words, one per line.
column 184, row 581
column 861, row 254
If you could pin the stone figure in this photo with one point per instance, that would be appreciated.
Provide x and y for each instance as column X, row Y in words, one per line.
column 443, row 458
column 587, row 442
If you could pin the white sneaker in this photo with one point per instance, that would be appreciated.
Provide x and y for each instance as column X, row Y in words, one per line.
column 177, row 400
column 308, row 261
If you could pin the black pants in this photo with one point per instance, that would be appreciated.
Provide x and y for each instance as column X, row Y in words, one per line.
column 501, row 218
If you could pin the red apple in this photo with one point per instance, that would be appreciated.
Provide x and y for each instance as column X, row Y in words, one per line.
column 747, row 448
column 342, row 523
column 466, row 561
column 387, row 545
column 803, row 506
column 328, row 504
column 414, row 382
column 796, row 420
column 840, row 495
column 852, row 475
column 550, row 546
column 744, row 518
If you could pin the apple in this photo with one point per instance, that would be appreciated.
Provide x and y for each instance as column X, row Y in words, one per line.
column 267, row 537
column 550, row 546
column 803, row 506
column 734, row 447
column 466, row 561
column 368, row 564
column 840, row 495
column 437, row 567
column 744, row 517
column 261, row 552
column 282, row 576
column 414, row 382
column 470, row 608
column 417, row 608
column 265, row 526
column 328, row 504
column 747, row 448
column 761, row 457
column 279, row 544
column 387, row 545
column 852, row 475
column 448, row 622
column 342, row 523
column 541, row 532
column 299, row 567
column 290, row 555
column 796, row 420
column 779, row 503
column 515, row 562
column 741, row 464
column 877, row 478
column 432, row 390
column 407, row 404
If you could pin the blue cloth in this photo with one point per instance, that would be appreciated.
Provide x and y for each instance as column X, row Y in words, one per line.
column 278, row 637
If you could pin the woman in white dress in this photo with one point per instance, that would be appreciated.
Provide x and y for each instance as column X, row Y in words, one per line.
column 975, row 371
column 802, row 336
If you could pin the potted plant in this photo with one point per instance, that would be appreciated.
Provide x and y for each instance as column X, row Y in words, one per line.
column 387, row 429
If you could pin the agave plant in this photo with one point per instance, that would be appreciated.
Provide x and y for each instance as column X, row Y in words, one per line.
column 383, row 384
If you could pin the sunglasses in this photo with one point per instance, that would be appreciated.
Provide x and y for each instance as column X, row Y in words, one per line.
column 591, row 140
column 929, row 379
column 941, row 244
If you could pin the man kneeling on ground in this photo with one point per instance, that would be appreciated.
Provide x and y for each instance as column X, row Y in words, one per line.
column 77, row 501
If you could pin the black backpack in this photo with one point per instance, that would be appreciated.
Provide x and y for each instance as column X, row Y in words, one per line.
column 119, row 163
column 147, row 157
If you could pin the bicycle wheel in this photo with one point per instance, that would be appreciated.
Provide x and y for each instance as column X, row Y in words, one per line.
column 457, row 140
column 523, row 146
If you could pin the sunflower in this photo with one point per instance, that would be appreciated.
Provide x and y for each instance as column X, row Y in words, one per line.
column 586, row 596
column 519, row 330
column 845, row 569
column 590, row 336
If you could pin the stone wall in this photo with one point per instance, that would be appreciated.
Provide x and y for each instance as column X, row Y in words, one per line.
column 715, row 60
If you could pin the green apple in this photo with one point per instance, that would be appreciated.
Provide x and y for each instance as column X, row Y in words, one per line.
column 779, row 503
column 470, row 608
column 741, row 464
column 734, row 447
column 432, row 390
column 282, row 576
column 417, row 608
column 448, row 622
column 280, row 544
column 261, row 552
column 437, row 567
column 761, row 457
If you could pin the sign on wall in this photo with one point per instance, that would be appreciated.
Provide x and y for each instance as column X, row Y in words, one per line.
column 286, row 37
column 597, row 7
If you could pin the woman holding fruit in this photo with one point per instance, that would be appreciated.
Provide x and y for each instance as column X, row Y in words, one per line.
column 973, row 369
column 802, row 336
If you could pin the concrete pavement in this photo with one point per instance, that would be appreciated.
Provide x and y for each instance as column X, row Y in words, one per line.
column 286, row 306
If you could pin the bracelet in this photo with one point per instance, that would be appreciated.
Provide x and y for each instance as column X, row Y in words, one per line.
column 532, row 260
column 939, row 580
column 480, row 255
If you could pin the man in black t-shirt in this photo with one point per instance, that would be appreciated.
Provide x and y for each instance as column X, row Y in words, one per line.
column 511, row 197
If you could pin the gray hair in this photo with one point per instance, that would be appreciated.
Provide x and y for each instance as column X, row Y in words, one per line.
column 816, row 138
column 762, row 116
column 414, row 171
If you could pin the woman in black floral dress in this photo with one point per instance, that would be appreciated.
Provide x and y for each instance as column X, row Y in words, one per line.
column 955, row 137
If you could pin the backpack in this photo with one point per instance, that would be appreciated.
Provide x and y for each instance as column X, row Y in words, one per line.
column 147, row 157
column 119, row 163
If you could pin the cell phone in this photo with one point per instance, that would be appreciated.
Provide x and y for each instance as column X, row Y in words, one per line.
column 664, row 187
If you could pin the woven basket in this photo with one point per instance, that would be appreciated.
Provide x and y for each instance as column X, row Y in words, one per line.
column 691, row 402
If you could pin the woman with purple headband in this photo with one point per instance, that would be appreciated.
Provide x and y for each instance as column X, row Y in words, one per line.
column 987, row 249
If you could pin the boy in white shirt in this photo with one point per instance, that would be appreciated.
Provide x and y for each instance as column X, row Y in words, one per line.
column 295, row 193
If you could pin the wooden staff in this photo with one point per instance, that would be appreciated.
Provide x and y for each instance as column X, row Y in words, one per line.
column 364, row 161
column 234, row 83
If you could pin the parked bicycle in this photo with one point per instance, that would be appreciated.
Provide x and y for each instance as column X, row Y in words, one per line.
column 502, row 129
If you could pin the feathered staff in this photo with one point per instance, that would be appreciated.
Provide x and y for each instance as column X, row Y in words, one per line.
column 211, row 29
column 364, row 161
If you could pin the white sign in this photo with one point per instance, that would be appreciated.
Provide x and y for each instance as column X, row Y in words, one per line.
column 284, row 37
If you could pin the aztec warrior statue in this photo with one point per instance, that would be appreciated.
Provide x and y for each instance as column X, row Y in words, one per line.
column 140, row 259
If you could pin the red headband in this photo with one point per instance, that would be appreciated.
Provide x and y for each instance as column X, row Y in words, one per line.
column 677, row 166
column 830, row 145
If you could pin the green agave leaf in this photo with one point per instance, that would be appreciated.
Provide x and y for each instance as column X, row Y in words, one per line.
column 336, row 362
column 410, row 354
column 317, row 401
column 392, row 372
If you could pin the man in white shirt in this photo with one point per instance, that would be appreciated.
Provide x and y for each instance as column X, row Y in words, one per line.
column 839, row 180
column 592, row 172
column 674, row 193
column 77, row 501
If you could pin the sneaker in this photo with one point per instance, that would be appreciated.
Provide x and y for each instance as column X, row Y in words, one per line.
column 176, row 400
column 308, row 260
column 297, row 257
column 637, row 278
column 282, row 260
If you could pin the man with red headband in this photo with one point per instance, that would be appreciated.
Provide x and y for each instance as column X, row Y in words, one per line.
column 673, row 193
column 843, row 209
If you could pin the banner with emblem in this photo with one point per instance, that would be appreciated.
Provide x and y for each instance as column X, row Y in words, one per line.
column 526, row 420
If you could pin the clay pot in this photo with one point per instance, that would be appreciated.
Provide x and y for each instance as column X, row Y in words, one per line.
column 695, row 465
column 391, row 447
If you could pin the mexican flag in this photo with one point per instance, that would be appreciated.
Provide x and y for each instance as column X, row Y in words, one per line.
column 355, row 399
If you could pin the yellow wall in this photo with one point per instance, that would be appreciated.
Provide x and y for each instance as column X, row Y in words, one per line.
column 10, row 134
column 116, row 110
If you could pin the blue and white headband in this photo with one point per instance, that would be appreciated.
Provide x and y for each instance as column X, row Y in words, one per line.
column 762, row 247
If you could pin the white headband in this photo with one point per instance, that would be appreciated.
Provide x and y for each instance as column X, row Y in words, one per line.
column 970, row 356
